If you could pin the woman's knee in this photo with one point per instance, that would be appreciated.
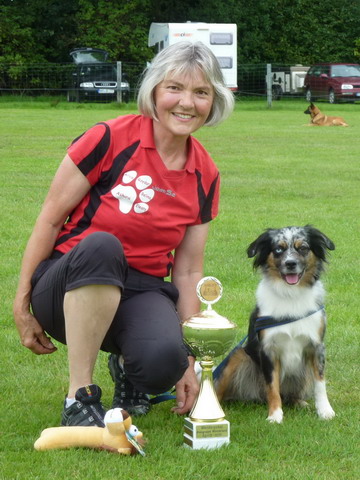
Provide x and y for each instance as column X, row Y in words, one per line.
column 101, row 244
column 99, row 258
column 158, row 370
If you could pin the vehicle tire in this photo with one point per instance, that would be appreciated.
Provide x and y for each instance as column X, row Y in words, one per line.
column 277, row 92
column 332, row 98
column 308, row 95
column 73, row 96
column 70, row 96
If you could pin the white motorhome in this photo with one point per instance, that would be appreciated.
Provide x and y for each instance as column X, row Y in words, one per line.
column 221, row 38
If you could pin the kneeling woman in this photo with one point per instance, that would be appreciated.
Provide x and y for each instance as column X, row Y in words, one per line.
column 129, row 205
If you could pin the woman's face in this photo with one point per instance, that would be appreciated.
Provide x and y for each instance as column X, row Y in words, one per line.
column 183, row 102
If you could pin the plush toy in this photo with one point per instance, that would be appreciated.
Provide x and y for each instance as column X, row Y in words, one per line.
column 118, row 435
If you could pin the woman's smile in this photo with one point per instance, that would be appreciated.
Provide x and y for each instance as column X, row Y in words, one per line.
column 183, row 104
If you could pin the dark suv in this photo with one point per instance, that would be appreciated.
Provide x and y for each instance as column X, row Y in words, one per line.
column 94, row 78
column 334, row 81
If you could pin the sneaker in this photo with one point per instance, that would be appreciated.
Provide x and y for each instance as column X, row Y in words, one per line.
column 125, row 395
column 87, row 410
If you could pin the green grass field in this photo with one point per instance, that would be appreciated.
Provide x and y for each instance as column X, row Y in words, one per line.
column 275, row 172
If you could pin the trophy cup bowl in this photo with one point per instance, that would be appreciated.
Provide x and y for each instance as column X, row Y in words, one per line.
column 209, row 335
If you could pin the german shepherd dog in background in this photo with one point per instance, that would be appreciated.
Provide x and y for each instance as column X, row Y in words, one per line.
column 319, row 119
column 283, row 359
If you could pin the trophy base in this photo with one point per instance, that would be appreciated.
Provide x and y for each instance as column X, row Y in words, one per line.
column 208, row 435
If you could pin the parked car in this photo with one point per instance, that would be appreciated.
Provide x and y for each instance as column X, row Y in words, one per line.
column 334, row 81
column 94, row 78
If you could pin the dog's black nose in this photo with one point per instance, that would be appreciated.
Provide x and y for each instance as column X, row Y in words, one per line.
column 290, row 264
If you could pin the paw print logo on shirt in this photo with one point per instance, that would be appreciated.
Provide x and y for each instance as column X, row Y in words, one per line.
column 136, row 196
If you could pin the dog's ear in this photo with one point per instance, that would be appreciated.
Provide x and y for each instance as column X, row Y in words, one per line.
column 312, row 105
column 319, row 242
column 260, row 249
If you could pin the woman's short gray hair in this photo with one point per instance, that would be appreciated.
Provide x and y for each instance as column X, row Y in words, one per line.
column 178, row 59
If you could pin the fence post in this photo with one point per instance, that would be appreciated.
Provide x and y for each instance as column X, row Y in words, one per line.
column 269, row 85
column 118, row 79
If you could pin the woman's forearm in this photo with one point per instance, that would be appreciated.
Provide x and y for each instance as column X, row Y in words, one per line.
column 189, row 303
column 39, row 247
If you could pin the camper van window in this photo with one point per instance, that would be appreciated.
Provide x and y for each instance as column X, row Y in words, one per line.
column 225, row 62
column 158, row 46
column 221, row 38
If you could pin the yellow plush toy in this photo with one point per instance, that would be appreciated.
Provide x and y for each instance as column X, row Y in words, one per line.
column 118, row 435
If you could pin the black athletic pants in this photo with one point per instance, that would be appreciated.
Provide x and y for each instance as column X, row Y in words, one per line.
column 146, row 328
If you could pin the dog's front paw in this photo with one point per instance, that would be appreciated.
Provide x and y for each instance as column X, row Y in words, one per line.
column 276, row 416
column 323, row 408
column 326, row 412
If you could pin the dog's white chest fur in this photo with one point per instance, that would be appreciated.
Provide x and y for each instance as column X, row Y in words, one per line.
column 289, row 342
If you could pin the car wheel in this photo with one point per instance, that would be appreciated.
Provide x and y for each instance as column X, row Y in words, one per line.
column 70, row 96
column 332, row 98
column 308, row 95
column 276, row 92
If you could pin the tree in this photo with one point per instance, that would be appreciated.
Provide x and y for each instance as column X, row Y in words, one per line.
column 269, row 31
column 307, row 32
column 17, row 43
column 357, row 49
column 36, row 30
column 119, row 27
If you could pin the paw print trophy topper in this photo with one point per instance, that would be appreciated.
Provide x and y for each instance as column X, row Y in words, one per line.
column 209, row 335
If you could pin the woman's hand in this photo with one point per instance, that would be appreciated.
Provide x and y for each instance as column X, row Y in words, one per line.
column 32, row 335
column 187, row 390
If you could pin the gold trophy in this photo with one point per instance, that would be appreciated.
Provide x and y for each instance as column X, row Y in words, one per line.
column 209, row 335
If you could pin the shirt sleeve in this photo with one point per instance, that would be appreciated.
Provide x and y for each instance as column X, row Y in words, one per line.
column 208, row 196
column 208, row 183
column 210, row 207
column 89, row 151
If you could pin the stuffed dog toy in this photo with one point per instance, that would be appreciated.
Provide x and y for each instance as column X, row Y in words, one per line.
column 118, row 435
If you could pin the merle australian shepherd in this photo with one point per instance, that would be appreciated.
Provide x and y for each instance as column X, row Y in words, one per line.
column 283, row 358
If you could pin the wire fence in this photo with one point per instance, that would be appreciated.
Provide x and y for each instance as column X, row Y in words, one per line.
column 119, row 81
column 97, row 82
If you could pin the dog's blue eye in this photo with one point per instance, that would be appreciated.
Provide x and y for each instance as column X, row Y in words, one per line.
column 278, row 250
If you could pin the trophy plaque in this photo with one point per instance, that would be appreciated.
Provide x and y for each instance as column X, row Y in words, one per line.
column 209, row 335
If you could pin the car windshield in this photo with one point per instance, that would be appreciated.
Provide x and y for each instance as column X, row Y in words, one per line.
column 83, row 56
column 345, row 71
column 98, row 72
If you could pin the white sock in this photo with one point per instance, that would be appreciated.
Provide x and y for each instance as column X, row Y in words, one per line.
column 69, row 401
column 121, row 361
